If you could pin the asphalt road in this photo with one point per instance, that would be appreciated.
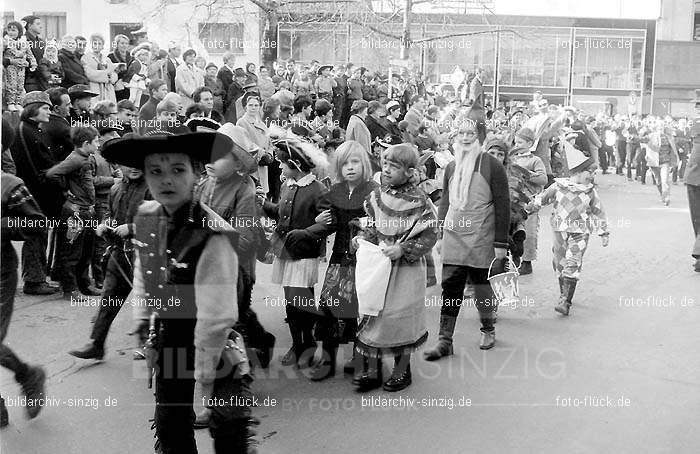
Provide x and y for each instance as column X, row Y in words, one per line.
column 620, row 375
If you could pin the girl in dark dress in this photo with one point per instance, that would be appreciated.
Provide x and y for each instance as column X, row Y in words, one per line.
column 338, row 302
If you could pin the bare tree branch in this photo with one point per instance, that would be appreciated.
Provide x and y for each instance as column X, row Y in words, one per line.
column 453, row 35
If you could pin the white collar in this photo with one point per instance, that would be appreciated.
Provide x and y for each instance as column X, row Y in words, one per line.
column 304, row 181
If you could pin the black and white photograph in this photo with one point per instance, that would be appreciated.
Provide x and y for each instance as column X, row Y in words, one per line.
column 350, row 226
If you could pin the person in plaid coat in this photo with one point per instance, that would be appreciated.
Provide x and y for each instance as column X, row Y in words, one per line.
column 577, row 213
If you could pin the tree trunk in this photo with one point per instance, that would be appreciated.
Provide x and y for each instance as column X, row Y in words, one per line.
column 269, row 51
column 406, row 36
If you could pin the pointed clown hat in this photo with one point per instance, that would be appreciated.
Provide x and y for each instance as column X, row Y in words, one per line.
column 575, row 159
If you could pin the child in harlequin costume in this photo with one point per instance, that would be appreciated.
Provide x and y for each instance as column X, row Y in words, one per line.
column 401, row 217
column 186, row 270
column 578, row 212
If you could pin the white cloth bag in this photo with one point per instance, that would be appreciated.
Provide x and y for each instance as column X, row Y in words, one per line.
column 372, row 274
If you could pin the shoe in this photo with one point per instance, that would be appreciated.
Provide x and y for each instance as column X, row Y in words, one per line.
column 398, row 382
column 370, row 379
column 90, row 291
column 33, row 388
column 98, row 286
column 90, row 351
column 202, row 419
column 488, row 340
column 444, row 346
column 4, row 416
column 289, row 358
column 138, row 355
column 40, row 288
column 54, row 284
column 525, row 268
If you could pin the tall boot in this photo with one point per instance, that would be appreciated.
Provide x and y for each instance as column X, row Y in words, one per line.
column 444, row 345
column 326, row 367
column 401, row 375
column 290, row 358
column 567, row 294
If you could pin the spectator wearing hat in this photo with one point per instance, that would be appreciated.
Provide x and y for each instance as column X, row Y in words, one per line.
column 393, row 111
column 214, row 84
column 535, row 179
column 188, row 78
column 100, row 70
column 157, row 90
column 34, row 28
column 57, row 130
column 73, row 70
column 357, row 128
column 33, row 157
column 235, row 91
column 81, row 98
column 354, row 90
column 325, row 83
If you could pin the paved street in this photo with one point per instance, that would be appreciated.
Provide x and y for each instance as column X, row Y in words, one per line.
column 620, row 375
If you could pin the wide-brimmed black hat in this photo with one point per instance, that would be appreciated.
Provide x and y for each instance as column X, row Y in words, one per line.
column 320, row 70
column 131, row 151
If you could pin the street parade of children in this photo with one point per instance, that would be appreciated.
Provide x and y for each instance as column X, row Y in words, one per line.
column 356, row 206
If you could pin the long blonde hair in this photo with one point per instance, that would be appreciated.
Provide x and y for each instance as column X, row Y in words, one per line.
column 345, row 151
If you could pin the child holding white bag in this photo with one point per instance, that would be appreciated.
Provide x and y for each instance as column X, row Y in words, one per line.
column 404, row 223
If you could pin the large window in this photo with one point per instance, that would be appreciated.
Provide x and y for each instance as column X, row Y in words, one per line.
column 218, row 38
column 54, row 25
column 608, row 59
column 468, row 52
column 535, row 57
column 327, row 44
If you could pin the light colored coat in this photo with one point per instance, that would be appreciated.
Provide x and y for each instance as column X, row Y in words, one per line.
column 357, row 130
column 187, row 80
column 101, row 80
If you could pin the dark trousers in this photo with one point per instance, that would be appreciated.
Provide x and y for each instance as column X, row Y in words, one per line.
column 8, row 286
column 641, row 165
column 73, row 258
column 694, row 203
column 631, row 159
column 454, row 279
column 301, row 315
column 117, row 285
column 603, row 158
column 174, row 416
column 100, row 245
column 34, row 262
column 621, row 157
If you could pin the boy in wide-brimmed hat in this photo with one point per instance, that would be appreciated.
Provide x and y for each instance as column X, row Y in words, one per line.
column 186, row 262
column 325, row 83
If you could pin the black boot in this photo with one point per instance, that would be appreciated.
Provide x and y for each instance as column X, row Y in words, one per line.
column 371, row 376
column 525, row 268
column 326, row 367
column 567, row 294
column 93, row 350
column 444, row 345
column 401, row 375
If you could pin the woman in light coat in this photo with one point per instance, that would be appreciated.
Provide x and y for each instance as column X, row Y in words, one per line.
column 188, row 78
column 100, row 71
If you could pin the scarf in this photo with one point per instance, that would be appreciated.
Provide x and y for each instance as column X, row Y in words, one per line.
column 465, row 161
